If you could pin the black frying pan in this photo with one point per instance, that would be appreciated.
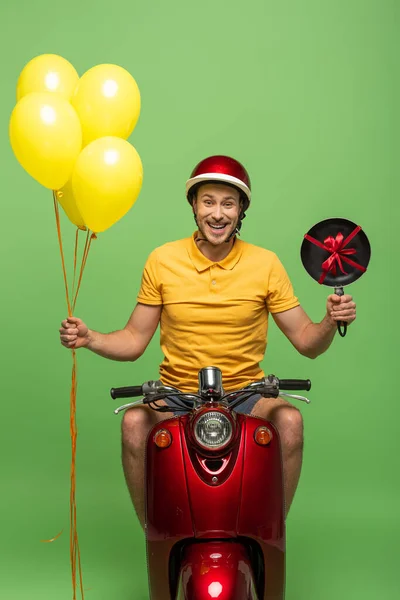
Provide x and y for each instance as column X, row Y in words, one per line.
column 336, row 252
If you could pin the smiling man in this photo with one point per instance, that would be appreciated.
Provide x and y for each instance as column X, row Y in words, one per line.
column 212, row 295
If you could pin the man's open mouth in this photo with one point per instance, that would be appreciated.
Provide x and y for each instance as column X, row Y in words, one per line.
column 217, row 227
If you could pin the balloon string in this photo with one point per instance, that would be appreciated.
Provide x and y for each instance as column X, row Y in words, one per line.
column 89, row 238
column 53, row 539
column 62, row 253
column 75, row 258
column 74, row 542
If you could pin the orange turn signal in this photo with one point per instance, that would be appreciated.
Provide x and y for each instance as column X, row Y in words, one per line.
column 263, row 436
column 163, row 438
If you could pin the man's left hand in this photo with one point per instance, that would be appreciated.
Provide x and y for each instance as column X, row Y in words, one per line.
column 341, row 308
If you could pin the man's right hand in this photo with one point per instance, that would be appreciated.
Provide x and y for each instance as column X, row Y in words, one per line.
column 74, row 333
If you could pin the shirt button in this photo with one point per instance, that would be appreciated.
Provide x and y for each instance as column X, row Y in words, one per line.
column 213, row 282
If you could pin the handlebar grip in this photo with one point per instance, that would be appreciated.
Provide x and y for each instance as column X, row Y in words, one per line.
column 130, row 391
column 295, row 384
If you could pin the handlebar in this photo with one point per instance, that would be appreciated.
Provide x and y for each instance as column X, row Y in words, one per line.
column 294, row 384
column 152, row 391
column 131, row 391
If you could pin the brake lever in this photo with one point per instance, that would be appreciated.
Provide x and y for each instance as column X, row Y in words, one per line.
column 125, row 406
column 148, row 399
column 296, row 397
column 272, row 382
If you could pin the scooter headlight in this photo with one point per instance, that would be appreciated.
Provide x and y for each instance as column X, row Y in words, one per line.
column 213, row 430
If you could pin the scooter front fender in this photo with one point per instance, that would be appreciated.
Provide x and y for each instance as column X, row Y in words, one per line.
column 216, row 570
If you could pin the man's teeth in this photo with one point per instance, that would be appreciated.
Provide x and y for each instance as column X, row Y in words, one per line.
column 217, row 226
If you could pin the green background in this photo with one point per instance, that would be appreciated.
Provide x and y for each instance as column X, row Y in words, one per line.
column 306, row 94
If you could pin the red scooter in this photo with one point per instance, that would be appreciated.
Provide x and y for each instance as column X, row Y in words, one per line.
column 215, row 510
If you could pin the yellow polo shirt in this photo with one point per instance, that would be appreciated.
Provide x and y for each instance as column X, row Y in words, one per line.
column 214, row 313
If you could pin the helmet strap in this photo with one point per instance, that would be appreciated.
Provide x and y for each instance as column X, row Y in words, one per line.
column 236, row 231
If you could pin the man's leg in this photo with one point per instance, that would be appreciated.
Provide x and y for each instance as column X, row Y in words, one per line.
column 289, row 423
column 136, row 424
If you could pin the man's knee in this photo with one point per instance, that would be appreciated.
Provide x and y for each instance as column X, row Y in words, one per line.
column 286, row 418
column 135, row 426
column 289, row 422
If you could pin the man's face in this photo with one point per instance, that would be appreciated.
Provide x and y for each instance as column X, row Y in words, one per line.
column 217, row 208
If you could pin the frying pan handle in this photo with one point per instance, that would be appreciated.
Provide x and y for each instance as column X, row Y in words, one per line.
column 341, row 325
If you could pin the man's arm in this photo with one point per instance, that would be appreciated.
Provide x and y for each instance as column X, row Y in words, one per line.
column 312, row 339
column 129, row 343
column 126, row 344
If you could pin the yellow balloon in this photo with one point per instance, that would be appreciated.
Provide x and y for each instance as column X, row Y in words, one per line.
column 48, row 73
column 107, row 100
column 106, row 181
column 66, row 198
column 46, row 138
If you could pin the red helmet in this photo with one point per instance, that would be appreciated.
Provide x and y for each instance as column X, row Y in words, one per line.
column 221, row 169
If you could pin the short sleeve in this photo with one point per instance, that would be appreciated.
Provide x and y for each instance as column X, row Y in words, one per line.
column 280, row 295
column 150, row 289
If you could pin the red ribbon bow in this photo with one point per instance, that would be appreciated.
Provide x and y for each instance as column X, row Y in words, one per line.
column 336, row 246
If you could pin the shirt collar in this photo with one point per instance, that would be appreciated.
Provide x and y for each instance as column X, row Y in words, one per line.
column 202, row 263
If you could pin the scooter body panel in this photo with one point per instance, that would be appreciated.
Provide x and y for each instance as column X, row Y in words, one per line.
column 186, row 506
column 216, row 570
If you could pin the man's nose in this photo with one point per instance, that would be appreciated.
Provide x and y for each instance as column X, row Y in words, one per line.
column 217, row 213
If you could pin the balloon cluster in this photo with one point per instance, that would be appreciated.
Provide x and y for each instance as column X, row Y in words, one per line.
column 69, row 133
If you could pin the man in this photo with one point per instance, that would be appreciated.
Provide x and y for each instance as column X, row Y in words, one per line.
column 212, row 294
